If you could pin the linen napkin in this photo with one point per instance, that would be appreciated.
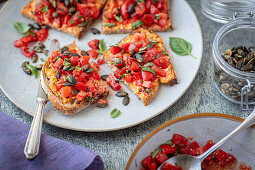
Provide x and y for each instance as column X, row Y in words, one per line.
column 53, row 153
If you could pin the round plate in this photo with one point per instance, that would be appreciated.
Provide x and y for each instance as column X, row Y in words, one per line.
column 22, row 89
column 201, row 127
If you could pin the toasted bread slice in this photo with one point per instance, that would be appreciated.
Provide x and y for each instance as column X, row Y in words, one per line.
column 121, row 27
column 69, row 105
column 77, row 31
column 169, row 78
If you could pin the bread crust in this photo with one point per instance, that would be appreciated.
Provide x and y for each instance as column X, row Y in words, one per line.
column 127, row 28
column 76, row 31
column 68, row 108
column 170, row 78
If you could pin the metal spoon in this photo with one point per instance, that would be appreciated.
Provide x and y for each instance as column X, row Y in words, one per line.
column 33, row 140
column 188, row 162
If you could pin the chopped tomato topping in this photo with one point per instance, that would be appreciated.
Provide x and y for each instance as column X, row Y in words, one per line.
column 115, row 50
column 74, row 60
column 92, row 53
column 147, row 84
column 100, row 61
column 102, row 100
column 58, row 63
column 147, row 75
column 93, row 44
column 140, row 8
column 81, row 95
column 112, row 83
column 42, row 34
column 66, row 91
column 84, row 60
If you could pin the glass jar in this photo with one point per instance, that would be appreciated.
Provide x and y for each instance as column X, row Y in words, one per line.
column 223, row 10
column 235, row 85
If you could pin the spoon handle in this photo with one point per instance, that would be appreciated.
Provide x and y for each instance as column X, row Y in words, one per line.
column 249, row 121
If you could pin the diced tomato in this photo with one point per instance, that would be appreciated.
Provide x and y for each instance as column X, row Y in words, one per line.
column 123, row 10
column 95, row 75
column 135, row 66
column 42, row 34
column 112, row 83
column 147, row 84
column 168, row 149
column 84, row 60
column 168, row 166
column 94, row 12
column 116, row 72
column 81, row 77
column 93, row 44
column 147, row 75
column 75, row 19
column 81, row 95
column 148, row 19
column 125, row 46
column 153, row 165
column 26, row 52
column 146, row 161
column 26, row 39
column 162, row 62
column 66, row 19
column 100, row 61
column 148, row 6
column 48, row 15
column 220, row 155
column 153, row 10
column 92, row 53
column 138, row 82
column 81, row 86
column 162, row 23
column 159, row 71
column 129, row 79
column 90, row 84
column 66, row 91
column 161, row 157
column 188, row 150
column 83, row 9
column 53, row 55
column 140, row 8
column 59, row 84
column 180, row 141
column 19, row 43
column 102, row 100
column 94, row 65
column 74, row 60
column 61, row 6
column 58, row 63
column 163, row 15
column 115, row 50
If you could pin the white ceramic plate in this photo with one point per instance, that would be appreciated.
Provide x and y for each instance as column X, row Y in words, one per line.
column 21, row 88
column 201, row 127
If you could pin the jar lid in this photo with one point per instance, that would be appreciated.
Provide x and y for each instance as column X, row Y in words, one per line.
column 222, row 11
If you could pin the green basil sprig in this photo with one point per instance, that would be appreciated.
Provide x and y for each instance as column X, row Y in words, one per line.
column 44, row 9
column 118, row 18
column 32, row 69
column 180, row 46
column 115, row 113
column 136, row 24
column 101, row 46
column 154, row 153
column 21, row 27
column 149, row 69
column 109, row 24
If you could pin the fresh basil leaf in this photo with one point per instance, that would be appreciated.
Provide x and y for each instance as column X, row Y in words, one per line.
column 109, row 24
column 32, row 69
column 169, row 142
column 101, row 46
column 44, row 9
column 140, row 1
column 42, row 59
column 150, row 45
column 31, row 33
column 151, row 40
column 154, row 153
column 157, row 16
column 78, row 68
column 118, row 18
column 163, row 52
column 122, row 52
column 71, row 21
column 21, row 27
column 72, row 68
column 65, row 63
column 88, row 98
column 149, row 69
column 37, row 2
column 136, row 24
column 115, row 113
column 143, row 48
column 177, row 164
column 180, row 46
column 147, row 91
column 115, row 45
column 148, row 64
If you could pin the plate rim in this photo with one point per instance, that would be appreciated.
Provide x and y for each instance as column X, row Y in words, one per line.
column 130, row 125
column 176, row 120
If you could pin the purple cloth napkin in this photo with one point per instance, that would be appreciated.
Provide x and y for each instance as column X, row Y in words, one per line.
column 53, row 154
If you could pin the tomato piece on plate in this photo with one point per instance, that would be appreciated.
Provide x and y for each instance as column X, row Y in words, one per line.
column 180, row 141
column 140, row 8
column 145, row 162
column 168, row 166
column 147, row 75
column 161, row 157
column 59, row 84
column 93, row 44
column 19, row 43
column 133, row 47
column 168, row 149
column 153, row 165
column 112, row 83
column 26, row 39
column 92, row 53
column 26, row 52
column 42, row 34
column 102, row 100
column 220, row 155
column 66, row 91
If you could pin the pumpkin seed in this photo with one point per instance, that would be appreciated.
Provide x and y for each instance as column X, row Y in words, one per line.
column 66, row 68
column 95, row 31
column 67, row 60
column 74, row 54
column 85, row 67
column 132, row 52
column 71, row 79
column 34, row 58
column 139, row 58
column 63, row 50
column 117, row 11
column 121, row 94
column 46, row 52
column 74, row 91
column 72, row 10
column 61, row 66
column 252, row 49
column 41, row 45
column 36, row 26
column 26, row 70
column 102, row 105
column 56, row 58
column 82, row 24
column 89, row 70
column 38, row 49
column 84, row 53
column 54, row 14
column 131, row 8
column 66, row 3
column 24, row 64
column 67, row 84
column 104, row 77
column 66, row 53
column 117, row 60
column 57, row 73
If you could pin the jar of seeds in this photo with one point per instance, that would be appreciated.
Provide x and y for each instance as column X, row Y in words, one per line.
column 233, row 52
